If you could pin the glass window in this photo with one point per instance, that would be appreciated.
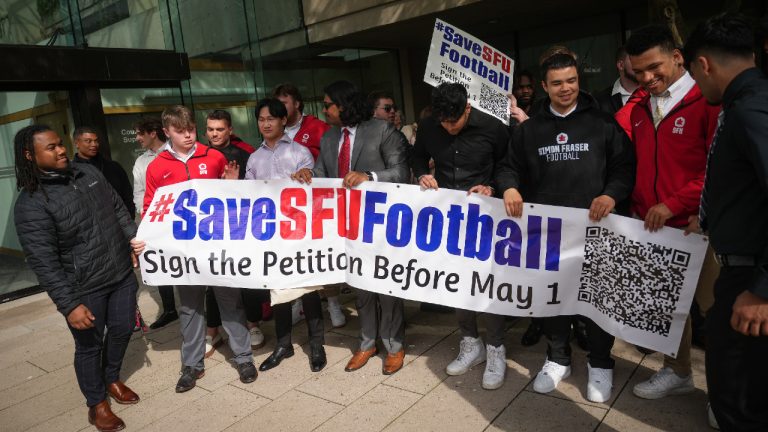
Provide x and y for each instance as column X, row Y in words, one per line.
column 42, row 22
column 17, row 110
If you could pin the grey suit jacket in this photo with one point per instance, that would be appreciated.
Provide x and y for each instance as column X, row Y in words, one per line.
column 378, row 148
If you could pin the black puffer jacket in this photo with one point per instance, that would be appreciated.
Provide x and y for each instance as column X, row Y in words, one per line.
column 75, row 234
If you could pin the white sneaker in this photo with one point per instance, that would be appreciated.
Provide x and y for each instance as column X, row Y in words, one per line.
column 257, row 337
column 600, row 384
column 297, row 311
column 550, row 376
column 211, row 343
column 495, row 367
column 711, row 417
column 471, row 353
column 663, row 383
column 338, row 319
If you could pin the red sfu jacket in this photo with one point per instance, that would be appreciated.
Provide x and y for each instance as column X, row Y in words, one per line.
column 166, row 170
column 237, row 142
column 312, row 129
column 672, row 159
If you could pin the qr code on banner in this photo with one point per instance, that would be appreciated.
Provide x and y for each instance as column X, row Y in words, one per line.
column 636, row 283
column 495, row 102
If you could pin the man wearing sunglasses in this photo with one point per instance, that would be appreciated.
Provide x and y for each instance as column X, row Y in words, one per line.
column 382, row 105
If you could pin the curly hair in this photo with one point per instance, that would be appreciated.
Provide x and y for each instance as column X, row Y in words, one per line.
column 349, row 100
column 27, row 171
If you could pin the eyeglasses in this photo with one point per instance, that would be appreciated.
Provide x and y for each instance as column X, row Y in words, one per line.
column 387, row 108
column 327, row 105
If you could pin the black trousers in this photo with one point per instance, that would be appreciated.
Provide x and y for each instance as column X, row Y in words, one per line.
column 737, row 375
column 167, row 297
column 312, row 313
column 495, row 326
column 99, row 357
column 252, row 300
column 558, row 332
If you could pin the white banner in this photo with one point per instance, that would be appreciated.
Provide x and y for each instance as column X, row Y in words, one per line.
column 457, row 56
column 441, row 247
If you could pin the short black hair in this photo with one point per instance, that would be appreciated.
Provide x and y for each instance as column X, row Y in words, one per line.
column 650, row 36
column 557, row 61
column 274, row 106
column 449, row 100
column 82, row 130
column 724, row 35
column 287, row 89
column 351, row 104
column 374, row 96
column 151, row 124
column 523, row 73
column 220, row 115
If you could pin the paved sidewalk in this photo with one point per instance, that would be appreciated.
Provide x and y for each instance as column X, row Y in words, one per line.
column 38, row 390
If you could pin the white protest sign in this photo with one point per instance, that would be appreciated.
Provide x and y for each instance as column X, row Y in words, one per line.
column 441, row 247
column 457, row 56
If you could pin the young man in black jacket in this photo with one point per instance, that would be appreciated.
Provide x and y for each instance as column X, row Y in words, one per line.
column 569, row 154
column 75, row 231
column 734, row 211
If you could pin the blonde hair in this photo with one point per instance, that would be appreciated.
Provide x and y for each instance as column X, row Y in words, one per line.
column 178, row 116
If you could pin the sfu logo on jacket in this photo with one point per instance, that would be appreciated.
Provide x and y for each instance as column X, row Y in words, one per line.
column 205, row 163
column 672, row 158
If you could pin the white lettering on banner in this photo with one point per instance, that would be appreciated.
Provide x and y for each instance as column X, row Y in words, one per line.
column 458, row 57
column 439, row 247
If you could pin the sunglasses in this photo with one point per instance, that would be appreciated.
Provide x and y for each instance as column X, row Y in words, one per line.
column 327, row 105
column 388, row 108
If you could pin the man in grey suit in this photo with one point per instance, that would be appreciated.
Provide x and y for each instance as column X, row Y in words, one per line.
column 356, row 149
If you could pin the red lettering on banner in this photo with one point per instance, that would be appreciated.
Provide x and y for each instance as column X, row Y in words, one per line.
column 348, row 221
column 320, row 213
column 487, row 53
column 287, row 198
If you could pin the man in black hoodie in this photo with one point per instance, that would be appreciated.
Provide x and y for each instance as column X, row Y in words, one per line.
column 569, row 154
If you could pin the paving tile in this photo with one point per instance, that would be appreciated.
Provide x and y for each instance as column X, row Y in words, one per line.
column 18, row 373
column 70, row 421
column 36, row 386
column 13, row 332
column 37, row 343
column 341, row 387
column 460, row 403
column 213, row 412
column 292, row 412
column 157, row 407
column 51, row 361
column 373, row 411
column 295, row 370
column 532, row 412
column 632, row 413
column 428, row 370
column 42, row 407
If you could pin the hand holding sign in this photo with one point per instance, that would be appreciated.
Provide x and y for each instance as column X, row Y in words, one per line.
column 515, row 112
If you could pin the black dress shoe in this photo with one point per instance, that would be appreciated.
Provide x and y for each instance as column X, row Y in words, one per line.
column 532, row 335
column 189, row 377
column 247, row 372
column 165, row 319
column 276, row 357
column 317, row 360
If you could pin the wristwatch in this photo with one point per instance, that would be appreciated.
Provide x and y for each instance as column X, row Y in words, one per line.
column 370, row 175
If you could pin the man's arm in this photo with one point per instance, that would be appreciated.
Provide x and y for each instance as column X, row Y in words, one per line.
column 621, row 164
column 139, row 184
column 394, row 153
column 38, row 238
column 420, row 157
column 325, row 146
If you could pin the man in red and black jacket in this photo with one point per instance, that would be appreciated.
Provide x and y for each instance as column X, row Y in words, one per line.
column 672, row 127
column 183, row 158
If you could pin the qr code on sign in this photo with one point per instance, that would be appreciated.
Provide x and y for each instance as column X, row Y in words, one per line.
column 637, row 284
column 495, row 102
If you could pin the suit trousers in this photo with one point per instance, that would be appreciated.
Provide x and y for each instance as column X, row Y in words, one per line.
column 252, row 300
column 192, row 317
column 735, row 363
column 495, row 326
column 383, row 314
column 312, row 313
column 558, row 332
column 99, row 357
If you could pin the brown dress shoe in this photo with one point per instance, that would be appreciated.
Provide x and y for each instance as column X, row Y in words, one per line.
column 393, row 363
column 360, row 359
column 122, row 394
column 103, row 418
